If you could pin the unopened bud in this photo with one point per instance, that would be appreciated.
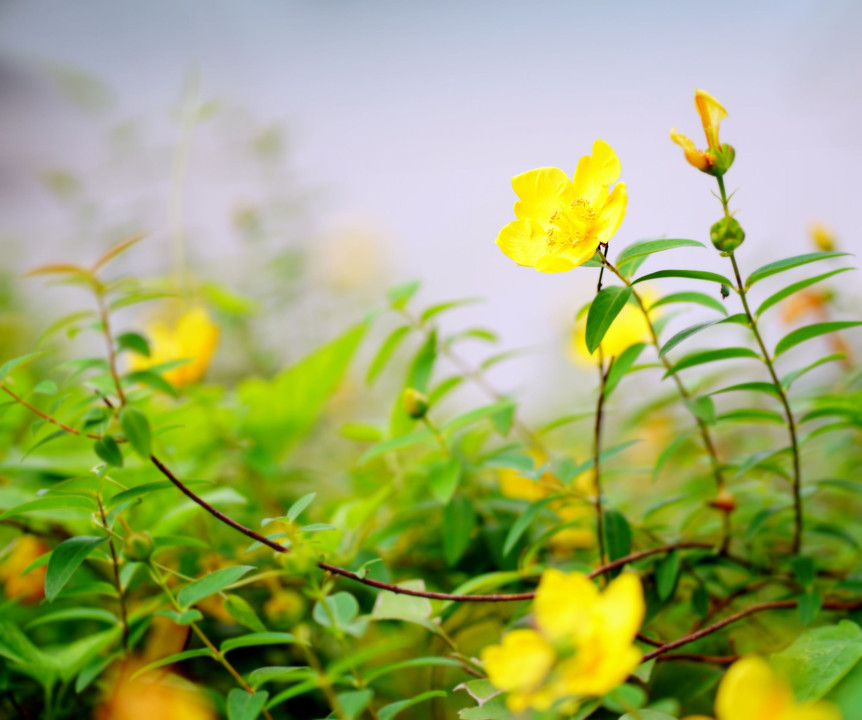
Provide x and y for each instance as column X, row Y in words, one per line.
column 722, row 160
column 138, row 547
column 822, row 237
column 727, row 234
column 415, row 403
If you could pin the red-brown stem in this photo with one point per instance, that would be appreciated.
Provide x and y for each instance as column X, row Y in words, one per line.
column 730, row 619
column 46, row 417
column 112, row 353
column 695, row 657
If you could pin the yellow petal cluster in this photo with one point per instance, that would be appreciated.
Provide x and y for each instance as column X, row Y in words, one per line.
column 823, row 237
column 750, row 690
column 193, row 336
column 561, row 222
column 711, row 114
column 582, row 644
column 29, row 588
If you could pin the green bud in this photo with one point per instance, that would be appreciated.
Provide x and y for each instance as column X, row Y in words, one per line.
column 727, row 234
column 723, row 160
column 415, row 403
column 138, row 547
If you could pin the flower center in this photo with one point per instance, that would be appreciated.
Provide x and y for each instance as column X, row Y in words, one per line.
column 571, row 225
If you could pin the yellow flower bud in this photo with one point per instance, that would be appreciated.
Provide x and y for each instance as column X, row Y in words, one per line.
column 727, row 234
column 822, row 237
column 415, row 403
column 717, row 158
column 29, row 588
column 138, row 547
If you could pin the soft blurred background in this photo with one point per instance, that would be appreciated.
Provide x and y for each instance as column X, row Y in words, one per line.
column 305, row 156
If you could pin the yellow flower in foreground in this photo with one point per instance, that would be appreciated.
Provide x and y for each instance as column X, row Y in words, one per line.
column 583, row 644
column 715, row 159
column 27, row 588
column 193, row 336
column 561, row 222
column 823, row 237
column 750, row 690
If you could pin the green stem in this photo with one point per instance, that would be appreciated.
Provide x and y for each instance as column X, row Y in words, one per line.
column 782, row 395
column 117, row 582
column 597, row 451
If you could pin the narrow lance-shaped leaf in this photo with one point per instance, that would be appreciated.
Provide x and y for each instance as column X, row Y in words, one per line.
column 787, row 264
column 137, row 429
column 687, row 274
column 65, row 559
column 603, row 310
column 648, row 247
column 210, row 584
column 108, row 450
column 707, row 356
column 777, row 297
column 808, row 332
column 691, row 297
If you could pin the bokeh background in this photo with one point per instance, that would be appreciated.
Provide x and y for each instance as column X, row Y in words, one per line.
column 309, row 155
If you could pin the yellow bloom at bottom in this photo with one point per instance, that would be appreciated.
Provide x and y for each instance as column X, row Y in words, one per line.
column 192, row 336
column 583, row 644
column 29, row 588
column 750, row 690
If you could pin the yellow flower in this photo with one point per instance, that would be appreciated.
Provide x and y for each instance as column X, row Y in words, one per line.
column 583, row 644
column 163, row 696
column 628, row 328
column 750, row 690
column 823, row 237
column 715, row 159
column 561, row 222
column 29, row 588
column 193, row 336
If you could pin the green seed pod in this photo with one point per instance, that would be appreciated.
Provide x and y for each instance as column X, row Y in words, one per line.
column 415, row 403
column 138, row 547
column 727, row 234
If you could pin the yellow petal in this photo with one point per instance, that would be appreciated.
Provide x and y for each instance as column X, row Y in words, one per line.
column 699, row 159
column 586, row 184
column 564, row 603
column 524, row 241
column 622, row 608
column 605, row 163
column 541, row 192
column 750, row 690
column 711, row 114
column 557, row 263
column 520, row 663
column 612, row 213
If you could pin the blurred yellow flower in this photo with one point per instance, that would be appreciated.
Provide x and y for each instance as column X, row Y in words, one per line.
column 711, row 114
column 163, row 696
column 561, row 222
column 750, row 690
column 628, row 328
column 193, row 336
column 583, row 644
column 29, row 588
column 285, row 607
column 823, row 237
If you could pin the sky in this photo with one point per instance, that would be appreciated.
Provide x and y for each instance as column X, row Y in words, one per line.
column 407, row 120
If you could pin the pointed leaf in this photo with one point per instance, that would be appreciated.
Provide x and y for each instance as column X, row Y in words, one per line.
column 687, row 274
column 603, row 310
column 65, row 559
column 702, row 357
column 794, row 338
column 775, row 298
column 788, row 263
column 242, row 705
column 137, row 429
column 691, row 297
column 210, row 584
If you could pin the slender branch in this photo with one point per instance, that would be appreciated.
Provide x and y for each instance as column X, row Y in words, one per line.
column 112, row 352
column 730, row 619
column 782, row 395
column 46, row 417
column 597, row 452
column 115, row 561
column 696, row 657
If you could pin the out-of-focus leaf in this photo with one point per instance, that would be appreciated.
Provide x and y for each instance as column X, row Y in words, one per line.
column 108, row 450
column 459, row 519
column 210, row 584
column 242, row 705
column 387, row 349
column 691, row 297
column 787, row 264
column 65, row 559
column 800, row 335
column 603, row 310
column 777, row 297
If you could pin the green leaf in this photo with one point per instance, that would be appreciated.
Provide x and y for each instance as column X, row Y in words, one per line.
column 459, row 519
column 73, row 614
column 435, row 310
column 46, row 387
column 811, row 331
column 603, row 311
column 146, row 489
column 340, row 611
column 134, row 342
column 702, row 407
column 788, row 263
column 443, row 479
column 108, row 450
column 137, row 430
column 618, row 537
column 522, row 523
column 433, row 661
column 241, row 611
column 257, row 640
column 153, row 379
column 276, row 414
column 354, row 702
column 648, row 247
column 210, row 584
column 396, row 606
column 644, row 714
column 622, row 365
column 53, row 502
column 258, row 677
column 687, row 274
column 685, row 334
column 245, row 706
column 666, row 574
column 775, row 298
column 387, row 349
column 387, row 712
column 183, row 618
column 819, row 658
column 701, row 357
column 691, row 297
column 171, row 659
column 400, row 295
column 761, row 387
column 810, row 603
column 10, row 365
column 65, row 559
column 793, row 376
column 296, row 509
column 752, row 415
